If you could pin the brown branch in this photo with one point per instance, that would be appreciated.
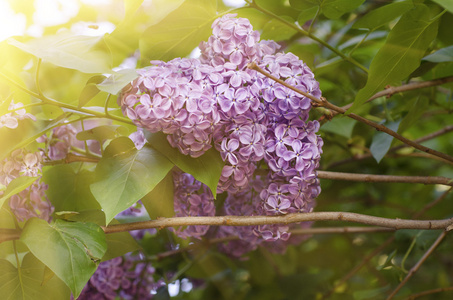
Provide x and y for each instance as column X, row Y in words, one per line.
column 429, row 292
column 70, row 158
column 390, row 91
column 385, row 178
column 324, row 103
column 446, row 224
column 430, row 136
column 383, row 245
column 418, row 264
column 9, row 234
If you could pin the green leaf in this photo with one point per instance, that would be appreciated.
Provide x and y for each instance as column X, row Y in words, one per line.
column 278, row 31
column 68, row 50
column 402, row 52
column 117, row 81
column 417, row 110
column 333, row 9
column 159, row 202
column 90, row 90
column 27, row 281
column 447, row 4
column 441, row 55
column 72, row 250
column 119, row 243
column 206, row 168
column 69, row 190
column 382, row 141
column 16, row 186
column 126, row 174
column 383, row 15
column 371, row 293
column 102, row 133
column 340, row 125
column 27, row 132
column 180, row 32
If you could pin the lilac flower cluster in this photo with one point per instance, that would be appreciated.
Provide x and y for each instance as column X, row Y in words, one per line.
column 31, row 202
column 191, row 198
column 126, row 277
column 254, row 122
column 11, row 120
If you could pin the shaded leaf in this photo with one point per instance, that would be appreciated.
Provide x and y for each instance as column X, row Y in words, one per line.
column 417, row 110
column 341, row 125
column 333, row 9
column 27, row 281
column 69, row 189
column 68, row 50
column 72, row 250
column 382, row 141
column 126, row 174
column 119, row 243
column 441, row 55
column 383, row 15
column 180, row 32
column 102, row 133
column 402, row 52
column 159, row 202
column 206, row 168
column 447, row 4
column 278, row 31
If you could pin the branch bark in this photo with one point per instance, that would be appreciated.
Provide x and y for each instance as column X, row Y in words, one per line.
column 385, row 178
column 446, row 224
column 324, row 103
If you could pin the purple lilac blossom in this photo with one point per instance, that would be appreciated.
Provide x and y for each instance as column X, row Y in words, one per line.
column 31, row 202
column 250, row 119
column 11, row 120
column 127, row 277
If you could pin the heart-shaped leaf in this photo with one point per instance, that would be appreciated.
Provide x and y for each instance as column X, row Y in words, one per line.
column 72, row 250
column 126, row 174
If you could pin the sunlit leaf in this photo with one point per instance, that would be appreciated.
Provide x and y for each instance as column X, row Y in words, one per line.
column 27, row 281
column 16, row 186
column 118, row 80
column 90, row 90
column 206, row 168
column 333, row 9
column 72, row 250
column 180, row 32
column 68, row 50
column 126, row 174
column 402, row 52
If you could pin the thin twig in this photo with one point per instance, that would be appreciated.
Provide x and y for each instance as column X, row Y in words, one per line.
column 382, row 246
column 429, row 292
column 418, row 264
column 70, row 158
column 391, row 90
column 446, row 224
column 385, row 178
column 425, row 138
column 324, row 103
